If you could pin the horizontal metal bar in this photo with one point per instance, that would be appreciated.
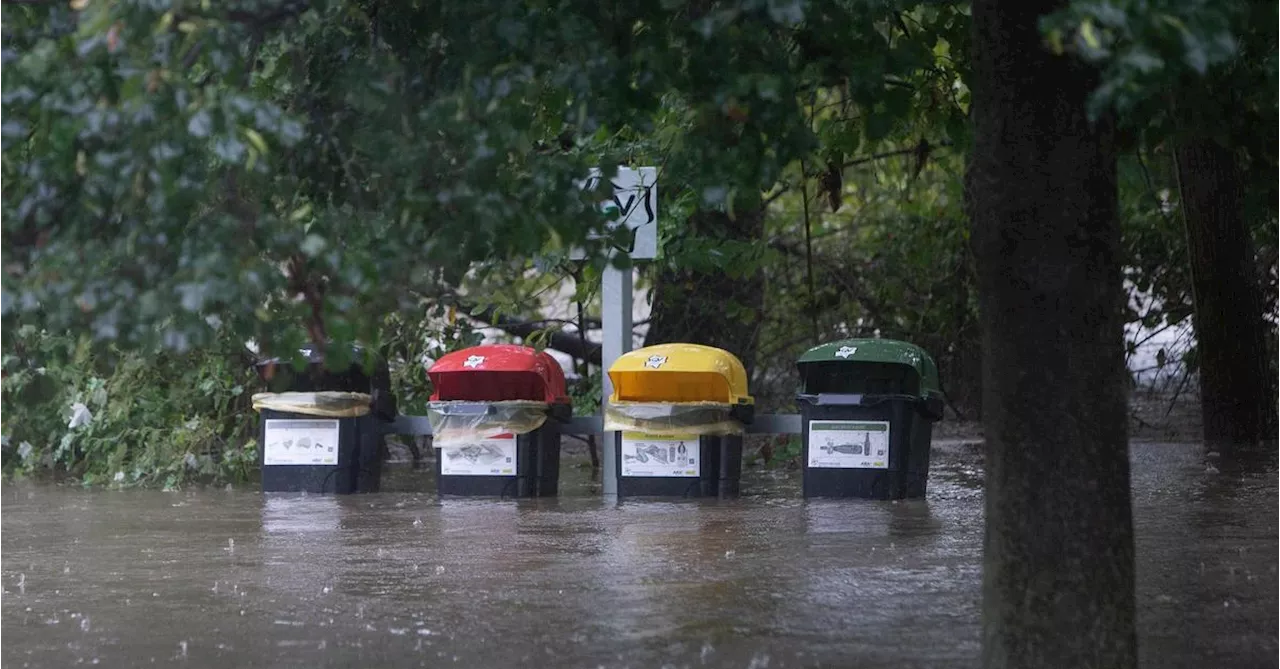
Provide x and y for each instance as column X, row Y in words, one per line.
column 583, row 425
column 409, row 425
column 783, row 423
column 775, row 423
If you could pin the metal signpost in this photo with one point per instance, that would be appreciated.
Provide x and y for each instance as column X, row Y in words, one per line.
column 635, row 202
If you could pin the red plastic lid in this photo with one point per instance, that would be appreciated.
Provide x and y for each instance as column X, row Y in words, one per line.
column 498, row 372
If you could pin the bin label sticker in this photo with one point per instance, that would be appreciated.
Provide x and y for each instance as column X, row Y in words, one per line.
column 846, row 351
column 473, row 361
column 843, row 444
column 655, row 361
column 495, row 456
column 669, row 455
column 300, row 442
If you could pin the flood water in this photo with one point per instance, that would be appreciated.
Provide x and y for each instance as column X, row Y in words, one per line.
column 233, row 578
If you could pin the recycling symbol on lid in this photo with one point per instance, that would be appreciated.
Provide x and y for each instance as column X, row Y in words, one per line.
column 474, row 361
column 655, row 361
column 846, row 351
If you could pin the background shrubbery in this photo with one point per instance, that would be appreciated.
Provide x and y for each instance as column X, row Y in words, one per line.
column 157, row 419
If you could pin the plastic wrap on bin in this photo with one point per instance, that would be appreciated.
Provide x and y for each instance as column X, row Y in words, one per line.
column 468, row 422
column 658, row 418
column 330, row 403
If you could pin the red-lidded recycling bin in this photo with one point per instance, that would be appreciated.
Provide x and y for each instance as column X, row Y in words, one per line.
column 495, row 417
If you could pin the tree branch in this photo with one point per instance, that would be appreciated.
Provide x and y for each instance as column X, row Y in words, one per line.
column 892, row 154
column 564, row 342
column 282, row 13
column 189, row 58
column 842, row 275
column 785, row 188
column 591, row 323
column 567, row 343
column 782, row 190
column 252, row 19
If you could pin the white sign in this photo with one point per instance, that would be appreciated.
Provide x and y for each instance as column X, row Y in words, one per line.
column 495, row 456
column 473, row 361
column 655, row 361
column 849, row 444
column 300, row 442
column 846, row 351
column 634, row 206
column 670, row 455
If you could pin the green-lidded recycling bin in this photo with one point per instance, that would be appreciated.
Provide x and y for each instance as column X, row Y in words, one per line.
column 867, row 407
column 679, row 411
column 321, row 430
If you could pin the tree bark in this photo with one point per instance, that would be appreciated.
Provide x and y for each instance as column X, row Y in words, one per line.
column 1058, row 581
column 1230, row 331
column 711, row 307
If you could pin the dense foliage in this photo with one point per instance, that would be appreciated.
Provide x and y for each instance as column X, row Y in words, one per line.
column 107, row 416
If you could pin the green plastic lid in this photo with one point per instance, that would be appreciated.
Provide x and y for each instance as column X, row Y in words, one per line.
column 878, row 350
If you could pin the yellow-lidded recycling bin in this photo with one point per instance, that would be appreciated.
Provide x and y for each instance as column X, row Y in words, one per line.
column 679, row 410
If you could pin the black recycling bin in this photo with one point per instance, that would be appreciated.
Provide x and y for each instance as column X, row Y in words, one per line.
column 678, row 410
column 719, row 473
column 867, row 407
column 330, row 442
column 496, row 412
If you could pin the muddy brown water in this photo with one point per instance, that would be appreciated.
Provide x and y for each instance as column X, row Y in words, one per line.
column 234, row 578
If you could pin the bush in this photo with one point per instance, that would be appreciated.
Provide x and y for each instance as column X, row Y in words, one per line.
column 99, row 415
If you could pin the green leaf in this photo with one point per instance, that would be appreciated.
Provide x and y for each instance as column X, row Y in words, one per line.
column 256, row 140
column 1143, row 61
column 313, row 245
column 200, row 124
column 1194, row 53
column 1090, row 35
column 878, row 126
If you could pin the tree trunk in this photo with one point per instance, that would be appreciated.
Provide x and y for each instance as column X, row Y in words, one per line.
column 960, row 370
column 1058, row 581
column 711, row 307
column 1230, row 331
column 960, row 354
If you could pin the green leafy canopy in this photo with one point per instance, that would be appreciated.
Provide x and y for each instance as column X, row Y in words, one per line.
column 294, row 170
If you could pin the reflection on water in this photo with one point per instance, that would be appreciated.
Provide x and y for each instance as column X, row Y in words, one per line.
column 219, row 578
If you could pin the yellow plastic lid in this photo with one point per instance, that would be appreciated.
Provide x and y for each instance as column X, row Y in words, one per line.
column 679, row 373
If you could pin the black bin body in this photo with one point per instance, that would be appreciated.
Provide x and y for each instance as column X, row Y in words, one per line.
column 359, row 458
column 719, row 475
column 360, row 443
column 537, row 470
column 906, row 470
